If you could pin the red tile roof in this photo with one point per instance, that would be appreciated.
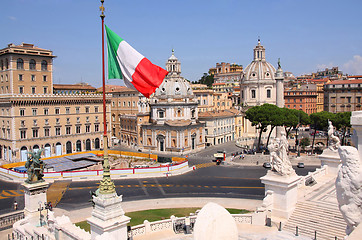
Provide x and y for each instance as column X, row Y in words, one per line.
column 349, row 81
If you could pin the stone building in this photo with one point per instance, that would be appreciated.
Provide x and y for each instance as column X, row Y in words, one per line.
column 260, row 84
column 32, row 117
column 78, row 88
column 343, row 95
column 220, row 126
column 302, row 98
column 169, row 121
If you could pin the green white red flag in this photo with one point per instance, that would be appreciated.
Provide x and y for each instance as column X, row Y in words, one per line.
column 124, row 62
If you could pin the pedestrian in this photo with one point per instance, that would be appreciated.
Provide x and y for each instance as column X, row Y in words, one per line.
column 15, row 205
column 243, row 156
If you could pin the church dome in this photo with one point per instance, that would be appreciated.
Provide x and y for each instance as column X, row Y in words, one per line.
column 259, row 68
column 174, row 85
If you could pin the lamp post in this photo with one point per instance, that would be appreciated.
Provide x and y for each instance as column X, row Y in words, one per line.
column 40, row 215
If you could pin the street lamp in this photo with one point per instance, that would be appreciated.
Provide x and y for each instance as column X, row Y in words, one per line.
column 40, row 215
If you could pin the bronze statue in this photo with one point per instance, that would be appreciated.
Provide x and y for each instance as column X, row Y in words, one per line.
column 35, row 167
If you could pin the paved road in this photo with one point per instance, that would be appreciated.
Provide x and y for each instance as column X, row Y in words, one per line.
column 210, row 181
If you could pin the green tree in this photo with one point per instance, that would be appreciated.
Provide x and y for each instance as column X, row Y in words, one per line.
column 206, row 79
column 304, row 142
column 319, row 121
column 293, row 119
column 263, row 116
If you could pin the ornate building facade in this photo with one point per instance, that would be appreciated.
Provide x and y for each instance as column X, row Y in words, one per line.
column 169, row 121
column 32, row 117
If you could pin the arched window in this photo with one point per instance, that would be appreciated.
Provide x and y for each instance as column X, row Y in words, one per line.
column 2, row 65
column 253, row 94
column 20, row 64
column 32, row 64
column 44, row 65
column 268, row 93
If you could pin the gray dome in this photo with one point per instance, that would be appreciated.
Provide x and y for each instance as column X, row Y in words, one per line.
column 259, row 68
column 174, row 85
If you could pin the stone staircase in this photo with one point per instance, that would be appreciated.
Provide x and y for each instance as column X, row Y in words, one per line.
column 318, row 211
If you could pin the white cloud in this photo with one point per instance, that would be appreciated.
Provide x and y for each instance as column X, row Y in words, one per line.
column 354, row 66
column 12, row 18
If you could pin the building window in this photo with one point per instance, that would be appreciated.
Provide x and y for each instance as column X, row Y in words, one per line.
column 78, row 119
column 32, row 64
column 68, row 130
column 87, row 119
column 20, row 63
column 161, row 114
column 96, row 118
column 87, row 128
column 77, row 110
column 33, row 78
column 96, row 109
column 44, row 78
column 35, row 110
column 35, row 133
column 57, row 131
column 253, row 94
column 57, row 120
column 35, row 122
column 268, row 93
column 68, row 120
column 57, row 111
column 22, row 112
column 45, row 90
column 22, row 134
column 21, row 89
column 67, row 110
column 21, row 77
column 96, row 127
column 46, row 121
column 44, row 65
column 46, row 132
column 46, row 111
column 77, row 129
column 33, row 90
column 87, row 109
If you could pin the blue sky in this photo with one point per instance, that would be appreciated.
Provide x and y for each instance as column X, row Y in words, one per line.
column 308, row 35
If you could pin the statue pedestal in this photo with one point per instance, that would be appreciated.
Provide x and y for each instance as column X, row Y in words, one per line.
column 285, row 193
column 108, row 216
column 34, row 193
column 331, row 159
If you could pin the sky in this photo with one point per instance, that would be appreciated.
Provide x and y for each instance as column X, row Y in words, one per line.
column 307, row 35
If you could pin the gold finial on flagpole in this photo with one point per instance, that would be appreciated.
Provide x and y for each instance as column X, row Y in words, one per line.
column 101, row 8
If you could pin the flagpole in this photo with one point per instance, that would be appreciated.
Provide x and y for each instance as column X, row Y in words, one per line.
column 106, row 186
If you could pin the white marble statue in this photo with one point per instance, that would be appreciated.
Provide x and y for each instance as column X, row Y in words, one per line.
column 349, row 187
column 279, row 156
column 334, row 142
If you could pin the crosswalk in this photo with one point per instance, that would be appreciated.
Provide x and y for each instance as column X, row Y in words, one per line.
column 11, row 193
column 56, row 191
column 205, row 165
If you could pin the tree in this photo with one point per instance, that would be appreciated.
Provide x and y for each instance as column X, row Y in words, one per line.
column 320, row 121
column 341, row 122
column 263, row 116
column 304, row 142
column 293, row 119
column 206, row 79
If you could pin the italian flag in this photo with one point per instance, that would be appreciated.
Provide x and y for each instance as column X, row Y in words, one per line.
column 124, row 62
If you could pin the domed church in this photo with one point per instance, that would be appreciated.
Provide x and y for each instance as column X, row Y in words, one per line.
column 260, row 84
column 173, row 124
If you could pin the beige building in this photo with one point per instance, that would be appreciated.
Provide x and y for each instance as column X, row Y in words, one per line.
column 343, row 95
column 33, row 118
column 219, row 126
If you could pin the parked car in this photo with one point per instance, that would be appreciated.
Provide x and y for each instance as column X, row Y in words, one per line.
column 267, row 165
column 300, row 165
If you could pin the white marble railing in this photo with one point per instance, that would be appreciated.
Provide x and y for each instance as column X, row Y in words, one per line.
column 319, row 172
column 168, row 224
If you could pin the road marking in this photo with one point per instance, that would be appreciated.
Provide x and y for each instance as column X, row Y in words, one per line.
column 159, row 186
column 205, row 165
column 143, row 188
column 56, row 191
